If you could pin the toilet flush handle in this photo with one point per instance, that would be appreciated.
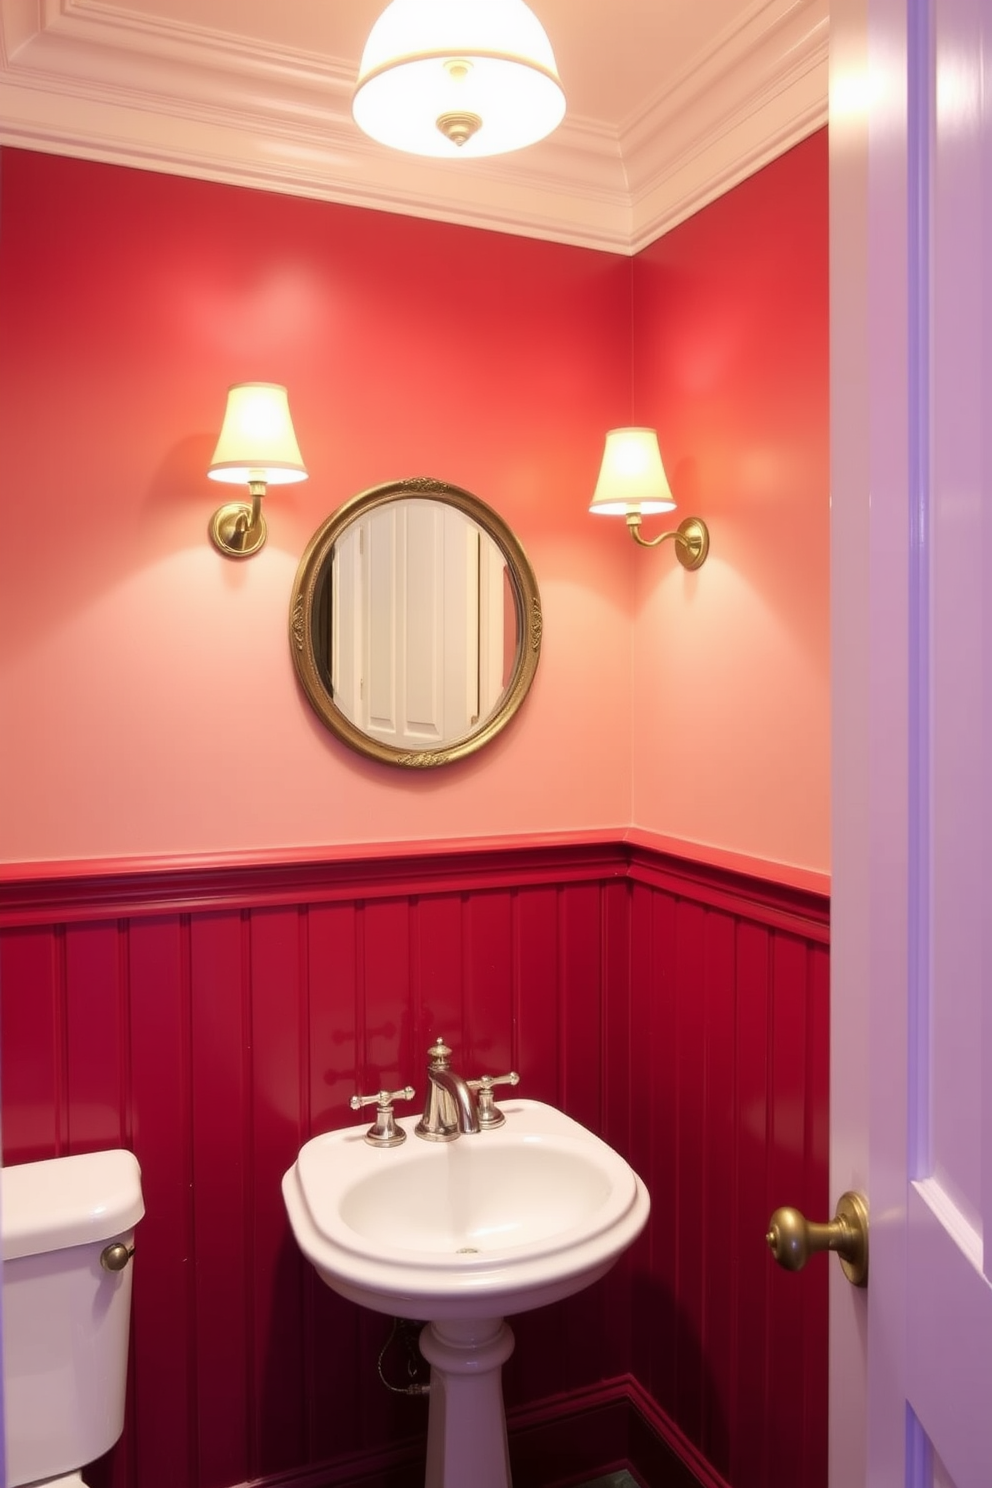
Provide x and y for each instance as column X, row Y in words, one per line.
column 115, row 1257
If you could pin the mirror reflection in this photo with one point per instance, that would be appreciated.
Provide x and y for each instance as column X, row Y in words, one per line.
column 415, row 623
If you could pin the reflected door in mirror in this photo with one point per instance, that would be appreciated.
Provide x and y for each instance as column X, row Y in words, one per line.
column 418, row 624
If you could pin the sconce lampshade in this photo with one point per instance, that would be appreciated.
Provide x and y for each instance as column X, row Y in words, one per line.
column 257, row 441
column 632, row 477
column 458, row 78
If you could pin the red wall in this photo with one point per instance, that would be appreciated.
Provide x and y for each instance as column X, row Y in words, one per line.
column 214, row 1019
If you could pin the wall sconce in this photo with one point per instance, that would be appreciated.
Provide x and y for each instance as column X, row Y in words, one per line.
column 632, row 482
column 257, row 447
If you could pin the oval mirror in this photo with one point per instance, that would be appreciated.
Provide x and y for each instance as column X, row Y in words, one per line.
column 415, row 623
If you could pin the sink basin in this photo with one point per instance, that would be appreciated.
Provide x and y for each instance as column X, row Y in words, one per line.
column 481, row 1227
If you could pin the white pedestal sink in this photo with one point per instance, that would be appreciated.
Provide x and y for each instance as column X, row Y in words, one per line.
column 463, row 1234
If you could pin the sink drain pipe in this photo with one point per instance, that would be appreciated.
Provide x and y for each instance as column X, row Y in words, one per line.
column 408, row 1332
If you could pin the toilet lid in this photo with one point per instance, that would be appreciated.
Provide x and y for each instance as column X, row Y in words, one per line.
column 65, row 1201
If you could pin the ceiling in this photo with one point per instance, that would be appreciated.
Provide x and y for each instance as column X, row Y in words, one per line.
column 670, row 102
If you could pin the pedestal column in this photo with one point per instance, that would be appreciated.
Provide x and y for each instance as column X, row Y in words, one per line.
column 466, row 1427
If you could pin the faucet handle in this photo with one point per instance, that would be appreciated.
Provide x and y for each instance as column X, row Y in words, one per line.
column 490, row 1115
column 385, row 1132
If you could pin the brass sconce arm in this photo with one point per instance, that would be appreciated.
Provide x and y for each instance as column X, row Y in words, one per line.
column 238, row 529
column 692, row 539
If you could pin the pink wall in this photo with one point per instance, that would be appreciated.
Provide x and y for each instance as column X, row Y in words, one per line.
column 149, row 699
column 731, row 664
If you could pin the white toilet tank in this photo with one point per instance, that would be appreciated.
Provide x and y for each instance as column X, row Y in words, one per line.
column 65, row 1315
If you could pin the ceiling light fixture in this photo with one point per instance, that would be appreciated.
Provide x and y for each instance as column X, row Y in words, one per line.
column 458, row 78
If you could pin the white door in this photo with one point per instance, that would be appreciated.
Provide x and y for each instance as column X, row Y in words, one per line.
column 911, row 483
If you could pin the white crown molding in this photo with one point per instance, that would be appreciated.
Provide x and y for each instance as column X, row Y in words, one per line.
column 93, row 80
column 759, row 89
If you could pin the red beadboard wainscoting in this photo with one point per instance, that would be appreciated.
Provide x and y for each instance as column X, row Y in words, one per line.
column 212, row 1017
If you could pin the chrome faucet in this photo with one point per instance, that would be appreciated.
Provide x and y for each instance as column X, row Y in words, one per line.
column 450, row 1108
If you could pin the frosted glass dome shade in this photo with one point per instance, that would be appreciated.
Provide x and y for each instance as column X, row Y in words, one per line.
column 458, row 78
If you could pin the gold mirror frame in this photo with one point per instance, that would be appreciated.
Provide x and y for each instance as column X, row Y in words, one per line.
column 311, row 572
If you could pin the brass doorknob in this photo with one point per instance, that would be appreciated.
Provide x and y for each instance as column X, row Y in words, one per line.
column 792, row 1239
